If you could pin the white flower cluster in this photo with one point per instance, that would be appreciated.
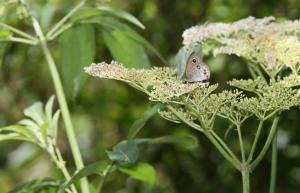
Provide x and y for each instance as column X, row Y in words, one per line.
column 272, row 45
column 223, row 30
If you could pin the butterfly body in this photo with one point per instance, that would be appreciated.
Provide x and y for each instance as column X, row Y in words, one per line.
column 196, row 70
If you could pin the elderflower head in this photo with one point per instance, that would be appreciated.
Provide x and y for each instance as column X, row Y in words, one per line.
column 272, row 45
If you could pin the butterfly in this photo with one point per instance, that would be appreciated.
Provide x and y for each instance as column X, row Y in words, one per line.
column 196, row 70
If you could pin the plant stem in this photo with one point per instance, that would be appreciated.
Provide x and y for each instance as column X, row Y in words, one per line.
column 60, row 163
column 22, row 40
column 60, row 97
column 65, row 112
column 184, row 120
column 65, row 18
column 273, row 165
column 225, row 154
column 238, row 127
column 246, row 180
column 267, row 144
column 60, row 31
column 17, row 31
column 103, row 177
column 236, row 164
column 225, row 146
column 255, row 140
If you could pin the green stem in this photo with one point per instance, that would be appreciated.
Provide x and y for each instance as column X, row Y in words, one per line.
column 60, row 31
column 60, row 163
column 222, row 151
column 267, row 144
column 19, row 32
column 22, row 40
column 238, row 127
column 103, row 177
column 184, row 120
column 65, row 18
column 255, row 141
column 65, row 113
column 273, row 165
column 60, row 97
column 225, row 147
column 225, row 154
column 246, row 180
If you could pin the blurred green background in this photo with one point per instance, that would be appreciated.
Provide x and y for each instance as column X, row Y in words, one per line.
column 104, row 110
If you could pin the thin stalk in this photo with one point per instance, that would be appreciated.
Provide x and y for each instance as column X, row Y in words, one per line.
column 273, row 165
column 225, row 154
column 246, row 180
column 60, row 31
column 238, row 127
column 103, row 177
column 23, row 41
column 184, row 120
column 252, row 72
column 236, row 164
column 255, row 140
column 19, row 32
column 225, row 146
column 267, row 144
column 60, row 163
column 60, row 97
column 65, row 113
column 65, row 18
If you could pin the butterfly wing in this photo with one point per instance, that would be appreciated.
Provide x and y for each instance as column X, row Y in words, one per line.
column 196, row 70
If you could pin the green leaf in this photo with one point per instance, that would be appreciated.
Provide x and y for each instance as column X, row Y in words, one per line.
column 98, row 168
column 17, row 132
column 139, row 123
column 121, row 14
column 109, row 23
column 38, row 128
column 11, row 136
column 53, row 121
column 77, row 49
column 142, row 171
column 38, row 185
column 90, row 12
column 125, row 49
column 35, row 112
column 124, row 153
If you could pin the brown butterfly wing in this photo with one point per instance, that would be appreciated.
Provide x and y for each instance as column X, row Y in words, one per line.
column 196, row 70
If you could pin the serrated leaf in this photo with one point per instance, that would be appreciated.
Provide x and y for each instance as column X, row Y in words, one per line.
column 124, row 153
column 125, row 49
column 142, row 171
column 139, row 123
column 97, row 168
column 36, row 186
column 77, row 49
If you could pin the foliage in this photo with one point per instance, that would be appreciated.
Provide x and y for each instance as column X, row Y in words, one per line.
column 103, row 110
